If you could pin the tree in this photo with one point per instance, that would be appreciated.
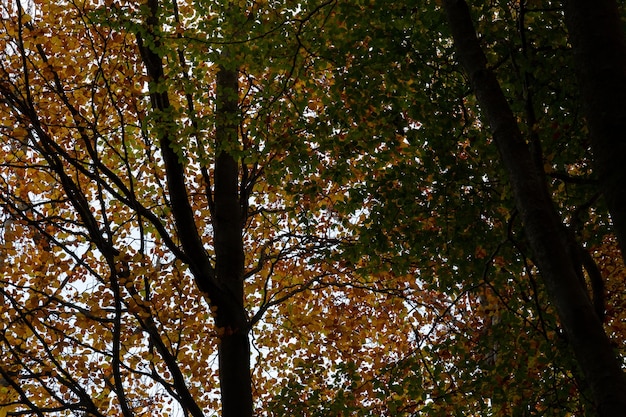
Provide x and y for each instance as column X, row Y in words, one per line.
column 546, row 234
column 393, row 235
column 124, row 186
column 295, row 207
column 535, row 174
column 146, row 224
column 599, row 46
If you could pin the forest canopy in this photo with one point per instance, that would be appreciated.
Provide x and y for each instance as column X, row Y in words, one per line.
column 312, row 208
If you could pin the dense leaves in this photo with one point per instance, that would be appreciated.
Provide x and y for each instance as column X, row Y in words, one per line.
column 386, row 270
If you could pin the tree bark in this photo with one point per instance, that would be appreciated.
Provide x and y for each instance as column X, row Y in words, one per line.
column 599, row 48
column 231, row 316
column 543, row 226
column 223, row 283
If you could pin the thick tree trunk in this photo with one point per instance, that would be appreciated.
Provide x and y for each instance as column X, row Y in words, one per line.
column 600, row 54
column 231, row 317
column 543, row 226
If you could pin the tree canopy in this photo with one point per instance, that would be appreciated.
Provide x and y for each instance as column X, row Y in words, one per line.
column 312, row 208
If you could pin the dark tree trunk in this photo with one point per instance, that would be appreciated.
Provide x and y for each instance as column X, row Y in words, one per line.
column 234, row 348
column 544, row 228
column 223, row 283
column 599, row 46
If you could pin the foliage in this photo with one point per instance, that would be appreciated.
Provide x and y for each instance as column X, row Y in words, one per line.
column 386, row 269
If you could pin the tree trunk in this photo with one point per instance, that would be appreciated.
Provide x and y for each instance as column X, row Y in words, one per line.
column 544, row 228
column 599, row 46
column 223, row 283
column 231, row 317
